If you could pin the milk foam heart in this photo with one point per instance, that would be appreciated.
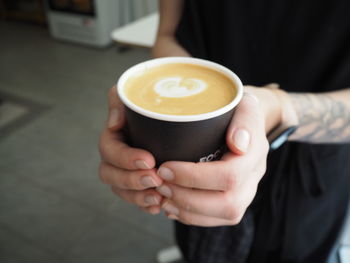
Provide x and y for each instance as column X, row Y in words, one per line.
column 178, row 87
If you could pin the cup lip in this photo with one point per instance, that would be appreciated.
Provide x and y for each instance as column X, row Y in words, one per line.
column 179, row 118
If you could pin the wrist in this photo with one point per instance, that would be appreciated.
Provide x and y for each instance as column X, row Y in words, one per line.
column 167, row 46
column 288, row 120
column 287, row 111
column 270, row 105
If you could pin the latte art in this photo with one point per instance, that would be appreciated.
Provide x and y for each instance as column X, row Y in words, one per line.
column 178, row 87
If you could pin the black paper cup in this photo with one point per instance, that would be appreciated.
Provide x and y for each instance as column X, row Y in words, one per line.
column 193, row 138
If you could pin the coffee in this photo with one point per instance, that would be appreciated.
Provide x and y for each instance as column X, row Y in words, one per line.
column 155, row 94
column 180, row 89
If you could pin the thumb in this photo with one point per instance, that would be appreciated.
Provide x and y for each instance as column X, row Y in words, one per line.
column 246, row 122
column 116, row 116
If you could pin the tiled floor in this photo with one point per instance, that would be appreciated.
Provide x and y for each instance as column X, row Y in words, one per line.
column 52, row 206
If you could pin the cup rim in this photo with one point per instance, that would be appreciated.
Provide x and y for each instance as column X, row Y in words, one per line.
column 186, row 60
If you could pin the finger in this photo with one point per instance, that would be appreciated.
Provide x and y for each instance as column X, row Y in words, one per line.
column 153, row 210
column 272, row 85
column 217, row 175
column 128, row 180
column 114, row 151
column 224, row 175
column 246, row 165
column 143, row 198
column 248, row 119
column 202, row 202
column 224, row 205
column 190, row 218
column 116, row 117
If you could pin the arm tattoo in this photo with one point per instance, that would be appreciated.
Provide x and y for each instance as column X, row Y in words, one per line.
column 322, row 119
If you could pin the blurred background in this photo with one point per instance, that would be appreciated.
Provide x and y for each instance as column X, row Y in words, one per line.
column 58, row 58
column 57, row 62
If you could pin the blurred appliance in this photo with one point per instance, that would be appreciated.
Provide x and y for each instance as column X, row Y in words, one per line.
column 83, row 21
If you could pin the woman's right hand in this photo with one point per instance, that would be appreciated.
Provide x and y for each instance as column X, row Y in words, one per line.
column 129, row 171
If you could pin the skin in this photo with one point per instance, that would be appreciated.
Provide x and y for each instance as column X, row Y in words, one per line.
column 215, row 193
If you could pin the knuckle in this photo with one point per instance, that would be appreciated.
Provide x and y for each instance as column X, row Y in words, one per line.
column 232, row 211
column 239, row 215
column 227, row 199
column 237, row 220
column 101, row 173
column 188, row 220
column 265, row 145
column 263, row 161
column 101, row 145
column 230, row 180
column 233, row 214
column 106, row 148
column 260, row 116
column 125, row 184
column 125, row 155
column 111, row 92
column 132, row 181
column 139, row 199
column 194, row 175
column 127, row 196
column 187, row 206
column 263, row 168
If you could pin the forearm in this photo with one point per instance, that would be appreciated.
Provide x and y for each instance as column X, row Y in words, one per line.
column 167, row 46
column 169, row 17
column 323, row 117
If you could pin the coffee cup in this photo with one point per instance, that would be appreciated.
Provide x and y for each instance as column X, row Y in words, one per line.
column 179, row 108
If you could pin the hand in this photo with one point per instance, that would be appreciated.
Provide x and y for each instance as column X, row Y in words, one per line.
column 218, row 193
column 130, row 172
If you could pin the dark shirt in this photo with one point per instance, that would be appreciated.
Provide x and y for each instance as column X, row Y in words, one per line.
column 304, row 46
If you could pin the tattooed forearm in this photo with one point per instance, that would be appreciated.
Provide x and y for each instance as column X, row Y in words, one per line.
column 322, row 119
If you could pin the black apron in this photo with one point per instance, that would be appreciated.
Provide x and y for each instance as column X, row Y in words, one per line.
column 301, row 202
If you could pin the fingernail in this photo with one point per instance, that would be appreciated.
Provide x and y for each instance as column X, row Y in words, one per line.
column 165, row 173
column 164, row 190
column 113, row 118
column 148, row 181
column 140, row 164
column 169, row 208
column 174, row 217
column 151, row 200
column 241, row 139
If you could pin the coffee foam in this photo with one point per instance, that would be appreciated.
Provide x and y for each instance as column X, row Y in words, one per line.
column 179, row 87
